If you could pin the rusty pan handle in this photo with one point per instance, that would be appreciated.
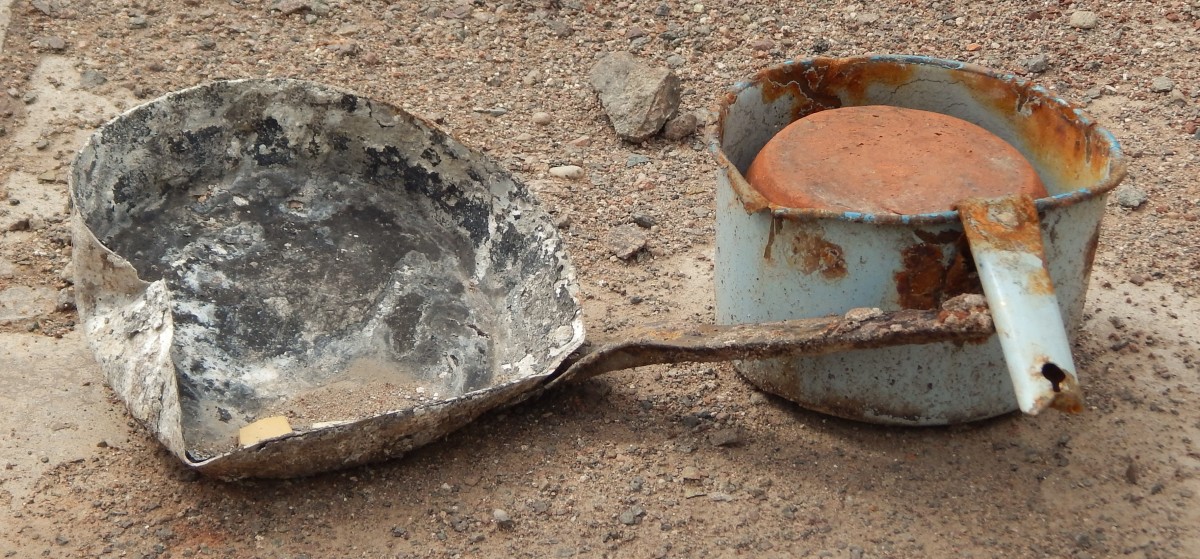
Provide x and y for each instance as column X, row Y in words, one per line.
column 1005, row 237
column 963, row 318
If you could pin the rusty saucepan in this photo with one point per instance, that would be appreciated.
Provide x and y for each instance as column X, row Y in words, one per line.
column 782, row 255
column 280, row 278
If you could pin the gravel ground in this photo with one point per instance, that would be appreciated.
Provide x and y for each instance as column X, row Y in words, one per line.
column 679, row 461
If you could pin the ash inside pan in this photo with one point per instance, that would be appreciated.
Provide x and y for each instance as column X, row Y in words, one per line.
column 325, row 260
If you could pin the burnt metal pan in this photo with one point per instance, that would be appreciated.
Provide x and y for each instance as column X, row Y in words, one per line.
column 276, row 248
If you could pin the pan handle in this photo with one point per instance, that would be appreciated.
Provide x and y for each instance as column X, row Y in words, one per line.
column 961, row 319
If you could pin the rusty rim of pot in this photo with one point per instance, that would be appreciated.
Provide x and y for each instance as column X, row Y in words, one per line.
column 1096, row 137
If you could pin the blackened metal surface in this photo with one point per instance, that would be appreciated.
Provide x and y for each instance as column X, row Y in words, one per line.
column 289, row 230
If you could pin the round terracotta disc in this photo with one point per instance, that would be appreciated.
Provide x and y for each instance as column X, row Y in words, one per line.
column 883, row 159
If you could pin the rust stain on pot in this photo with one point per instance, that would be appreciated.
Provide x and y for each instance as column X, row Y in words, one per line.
column 811, row 253
column 1046, row 126
column 919, row 282
column 924, row 281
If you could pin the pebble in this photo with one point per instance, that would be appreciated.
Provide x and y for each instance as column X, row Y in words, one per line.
column 542, row 119
column 698, row 8
column 54, row 43
column 92, row 78
column 571, row 172
column 635, row 32
column 1162, row 84
column 762, row 44
column 41, row 144
column 632, row 515
column 522, row 137
column 642, row 220
column 1037, row 64
column 503, row 520
column 691, row 473
column 681, row 126
column 1132, row 473
column 867, row 18
column 675, row 61
column 581, row 142
column 137, row 22
column 732, row 436
column 1130, row 196
column 662, row 10
column 1084, row 19
column 560, row 28
column 625, row 241
column 636, row 159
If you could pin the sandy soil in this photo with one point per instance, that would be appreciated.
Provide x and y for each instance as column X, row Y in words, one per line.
column 680, row 461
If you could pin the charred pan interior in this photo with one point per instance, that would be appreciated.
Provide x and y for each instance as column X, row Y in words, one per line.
column 326, row 257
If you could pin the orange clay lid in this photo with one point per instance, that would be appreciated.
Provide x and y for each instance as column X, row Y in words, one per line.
column 883, row 159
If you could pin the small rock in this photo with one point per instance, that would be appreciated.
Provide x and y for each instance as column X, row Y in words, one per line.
column 398, row 532
column 1137, row 279
column 732, row 436
column 1037, row 64
column 1084, row 20
column 635, row 32
column 29, row 98
column 642, row 220
column 662, row 10
column 698, row 8
column 1130, row 196
column 632, row 516
column 636, row 159
column 681, row 127
column 206, row 43
column 92, row 78
column 1162, row 84
column 581, row 142
column 691, row 473
column 560, row 28
column 41, row 144
column 571, row 172
column 542, row 119
column 137, row 22
column 624, row 241
column 856, row 552
column 637, row 98
column 54, row 43
column 503, row 520
column 493, row 111
column 636, row 484
column 676, row 61
column 523, row 137
column 758, row 398
column 1132, row 472
column 762, row 44
column 867, row 18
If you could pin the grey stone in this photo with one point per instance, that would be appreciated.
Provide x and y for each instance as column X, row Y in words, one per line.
column 624, row 241
column 644, row 221
column 137, row 22
column 1037, row 64
column 681, row 126
column 1130, row 196
column 676, row 61
column 636, row 159
column 92, row 78
column 732, row 436
column 1162, row 84
column 1084, row 19
column 560, row 28
column 503, row 520
column 632, row 515
column 637, row 98
column 867, row 18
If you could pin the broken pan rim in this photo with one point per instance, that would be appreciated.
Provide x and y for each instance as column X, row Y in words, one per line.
column 1116, row 165
column 240, row 462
